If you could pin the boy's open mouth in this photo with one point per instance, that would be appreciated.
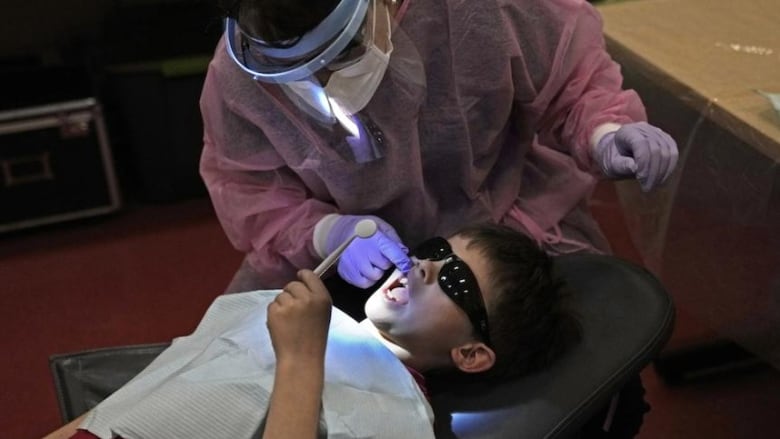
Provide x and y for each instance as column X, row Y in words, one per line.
column 397, row 291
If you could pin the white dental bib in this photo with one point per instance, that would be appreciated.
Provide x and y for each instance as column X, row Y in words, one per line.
column 216, row 383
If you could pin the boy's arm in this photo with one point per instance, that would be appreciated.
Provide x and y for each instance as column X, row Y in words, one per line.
column 298, row 321
column 295, row 403
column 294, row 411
column 67, row 430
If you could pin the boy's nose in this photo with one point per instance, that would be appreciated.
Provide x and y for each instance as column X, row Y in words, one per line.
column 426, row 270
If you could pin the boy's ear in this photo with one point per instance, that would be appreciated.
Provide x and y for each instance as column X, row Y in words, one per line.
column 473, row 357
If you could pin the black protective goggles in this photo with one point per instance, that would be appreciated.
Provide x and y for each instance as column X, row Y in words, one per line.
column 457, row 281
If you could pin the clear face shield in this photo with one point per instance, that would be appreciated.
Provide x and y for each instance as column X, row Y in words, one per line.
column 331, row 72
column 283, row 62
column 344, row 44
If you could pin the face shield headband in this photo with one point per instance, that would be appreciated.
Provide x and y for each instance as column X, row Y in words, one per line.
column 297, row 61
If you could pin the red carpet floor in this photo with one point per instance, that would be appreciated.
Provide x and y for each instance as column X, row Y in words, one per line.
column 147, row 275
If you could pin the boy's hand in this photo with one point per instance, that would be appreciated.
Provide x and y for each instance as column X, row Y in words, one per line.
column 298, row 319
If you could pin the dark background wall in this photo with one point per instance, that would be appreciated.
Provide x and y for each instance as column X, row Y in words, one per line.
column 38, row 27
column 144, row 60
column 44, row 28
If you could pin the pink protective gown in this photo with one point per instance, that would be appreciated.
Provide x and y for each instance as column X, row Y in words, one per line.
column 499, row 129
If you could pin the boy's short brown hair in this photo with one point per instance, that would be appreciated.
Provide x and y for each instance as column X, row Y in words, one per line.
column 529, row 319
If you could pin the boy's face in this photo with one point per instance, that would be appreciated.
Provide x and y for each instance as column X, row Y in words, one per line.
column 420, row 315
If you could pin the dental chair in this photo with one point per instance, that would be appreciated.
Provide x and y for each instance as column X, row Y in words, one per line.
column 626, row 316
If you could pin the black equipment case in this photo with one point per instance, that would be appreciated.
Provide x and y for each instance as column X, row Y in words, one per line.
column 55, row 164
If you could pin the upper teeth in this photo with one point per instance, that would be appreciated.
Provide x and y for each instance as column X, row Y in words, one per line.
column 403, row 281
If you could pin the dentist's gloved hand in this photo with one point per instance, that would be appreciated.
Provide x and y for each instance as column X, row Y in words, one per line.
column 637, row 149
column 365, row 260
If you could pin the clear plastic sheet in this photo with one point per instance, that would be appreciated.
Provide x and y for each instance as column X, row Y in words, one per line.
column 707, row 71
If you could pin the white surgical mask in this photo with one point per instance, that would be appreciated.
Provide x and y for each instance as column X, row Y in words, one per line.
column 352, row 87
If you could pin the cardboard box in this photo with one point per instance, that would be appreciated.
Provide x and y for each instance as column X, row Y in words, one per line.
column 713, row 233
column 712, row 54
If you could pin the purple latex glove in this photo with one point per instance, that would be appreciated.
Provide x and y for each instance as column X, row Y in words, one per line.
column 365, row 260
column 637, row 149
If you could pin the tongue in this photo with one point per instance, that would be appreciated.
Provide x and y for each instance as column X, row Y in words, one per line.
column 399, row 294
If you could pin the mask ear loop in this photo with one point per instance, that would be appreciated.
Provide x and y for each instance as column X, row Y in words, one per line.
column 373, row 21
column 385, row 40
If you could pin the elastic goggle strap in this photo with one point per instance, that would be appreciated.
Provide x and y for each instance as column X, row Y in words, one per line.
column 346, row 18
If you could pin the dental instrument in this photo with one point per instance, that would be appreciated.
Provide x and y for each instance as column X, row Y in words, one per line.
column 363, row 229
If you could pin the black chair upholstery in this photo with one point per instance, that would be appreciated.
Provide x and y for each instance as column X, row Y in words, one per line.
column 626, row 315
column 83, row 379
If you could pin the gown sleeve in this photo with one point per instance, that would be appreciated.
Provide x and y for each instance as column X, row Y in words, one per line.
column 578, row 86
column 264, row 207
